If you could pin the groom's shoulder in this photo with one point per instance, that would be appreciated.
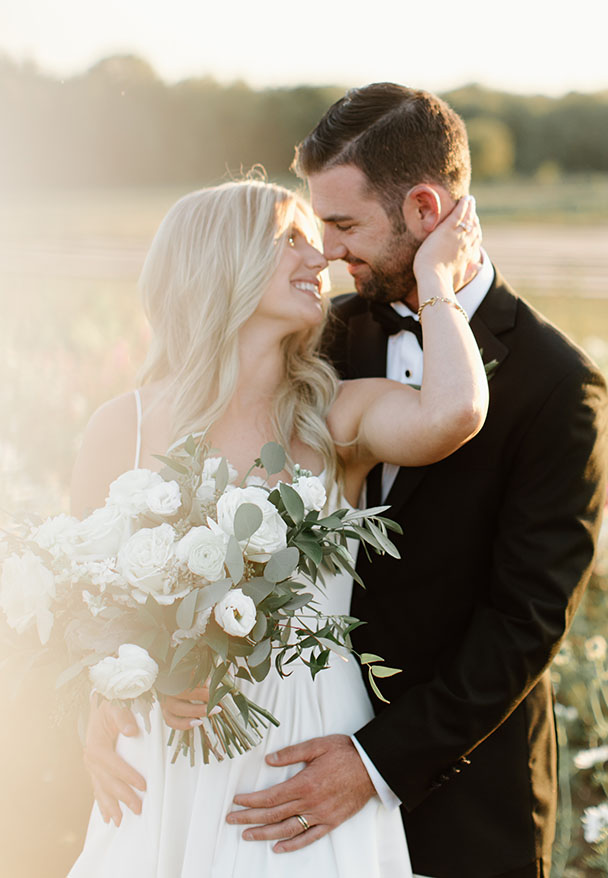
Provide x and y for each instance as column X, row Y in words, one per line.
column 346, row 306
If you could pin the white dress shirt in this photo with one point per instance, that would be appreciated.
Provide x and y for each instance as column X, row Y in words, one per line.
column 404, row 363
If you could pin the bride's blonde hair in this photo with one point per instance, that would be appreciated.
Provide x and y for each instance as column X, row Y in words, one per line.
column 208, row 266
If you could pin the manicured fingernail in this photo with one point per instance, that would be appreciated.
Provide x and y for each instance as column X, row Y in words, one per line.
column 248, row 836
column 195, row 722
column 278, row 849
column 214, row 711
column 273, row 757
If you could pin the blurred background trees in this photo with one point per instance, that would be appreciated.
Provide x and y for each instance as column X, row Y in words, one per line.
column 120, row 124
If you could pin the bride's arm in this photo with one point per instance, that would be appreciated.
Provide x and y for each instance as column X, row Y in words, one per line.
column 375, row 419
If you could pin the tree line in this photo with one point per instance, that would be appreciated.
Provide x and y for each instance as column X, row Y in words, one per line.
column 120, row 124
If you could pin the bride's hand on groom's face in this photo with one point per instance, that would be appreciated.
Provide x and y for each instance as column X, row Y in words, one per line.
column 332, row 786
column 113, row 779
column 452, row 248
column 185, row 711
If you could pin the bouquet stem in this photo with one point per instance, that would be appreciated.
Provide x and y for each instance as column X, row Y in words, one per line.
column 231, row 729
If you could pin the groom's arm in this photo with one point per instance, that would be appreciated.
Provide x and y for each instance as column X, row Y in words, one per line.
column 543, row 554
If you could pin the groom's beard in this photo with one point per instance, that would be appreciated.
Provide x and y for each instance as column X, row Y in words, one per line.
column 391, row 278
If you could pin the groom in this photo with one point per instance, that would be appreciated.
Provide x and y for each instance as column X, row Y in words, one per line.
column 498, row 539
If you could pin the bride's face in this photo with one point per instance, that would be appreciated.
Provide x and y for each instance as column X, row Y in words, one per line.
column 293, row 295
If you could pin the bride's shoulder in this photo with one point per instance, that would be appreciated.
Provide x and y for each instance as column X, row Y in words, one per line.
column 107, row 450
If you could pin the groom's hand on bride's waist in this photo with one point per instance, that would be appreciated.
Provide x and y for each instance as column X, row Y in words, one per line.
column 113, row 779
column 332, row 786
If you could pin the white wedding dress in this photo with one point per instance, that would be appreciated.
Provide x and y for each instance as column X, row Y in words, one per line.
column 182, row 830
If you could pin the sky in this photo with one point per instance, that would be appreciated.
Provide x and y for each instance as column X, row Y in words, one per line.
column 523, row 46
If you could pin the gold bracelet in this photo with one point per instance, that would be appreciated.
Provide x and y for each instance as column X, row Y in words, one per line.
column 433, row 301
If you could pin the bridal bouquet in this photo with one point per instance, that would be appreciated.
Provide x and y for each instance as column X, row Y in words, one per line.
column 183, row 579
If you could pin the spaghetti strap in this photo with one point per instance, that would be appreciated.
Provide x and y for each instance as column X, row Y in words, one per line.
column 139, row 419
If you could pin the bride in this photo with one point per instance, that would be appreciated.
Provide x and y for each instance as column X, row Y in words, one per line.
column 232, row 287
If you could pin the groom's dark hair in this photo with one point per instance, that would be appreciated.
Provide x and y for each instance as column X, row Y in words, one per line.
column 397, row 136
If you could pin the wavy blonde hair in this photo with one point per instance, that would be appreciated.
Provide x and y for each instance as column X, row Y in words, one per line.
column 208, row 266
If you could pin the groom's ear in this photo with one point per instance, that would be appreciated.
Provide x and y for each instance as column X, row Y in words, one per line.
column 423, row 209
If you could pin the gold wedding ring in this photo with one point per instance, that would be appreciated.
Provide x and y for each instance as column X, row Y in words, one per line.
column 303, row 821
column 466, row 226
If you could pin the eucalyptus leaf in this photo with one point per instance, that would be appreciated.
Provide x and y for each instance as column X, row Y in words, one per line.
column 258, row 589
column 185, row 611
column 273, row 458
column 368, row 657
column 310, row 547
column 172, row 464
column 383, row 671
column 260, row 627
column 217, row 639
column 335, row 647
column 234, row 560
column 181, row 652
column 260, row 653
column 222, row 476
column 384, row 541
column 374, row 686
column 161, row 645
column 247, row 520
column 298, row 601
column 292, row 502
column 259, row 672
column 174, row 682
column 282, row 564
column 210, row 595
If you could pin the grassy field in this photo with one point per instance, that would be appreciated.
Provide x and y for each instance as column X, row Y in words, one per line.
column 72, row 335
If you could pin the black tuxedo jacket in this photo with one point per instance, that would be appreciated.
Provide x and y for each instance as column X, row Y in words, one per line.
column 497, row 547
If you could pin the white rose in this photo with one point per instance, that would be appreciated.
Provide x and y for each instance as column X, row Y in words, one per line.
column 272, row 532
column 129, row 491
column 235, row 613
column 206, row 489
column 128, row 676
column 312, row 492
column 56, row 534
column 164, row 499
column 147, row 562
column 198, row 628
column 101, row 534
column 204, row 552
column 27, row 589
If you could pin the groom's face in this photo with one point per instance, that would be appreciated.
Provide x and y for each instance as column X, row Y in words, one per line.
column 358, row 230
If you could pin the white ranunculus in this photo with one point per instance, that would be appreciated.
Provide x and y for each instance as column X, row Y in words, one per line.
column 129, row 491
column 101, row 534
column 272, row 532
column 595, row 822
column 198, row 628
column 147, row 561
column 128, row 676
column 204, row 552
column 235, row 613
column 312, row 492
column 27, row 589
column 57, row 534
column 206, row 490
column 164, row 499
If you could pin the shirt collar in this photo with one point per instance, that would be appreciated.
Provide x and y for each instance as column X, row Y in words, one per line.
column 470, row 297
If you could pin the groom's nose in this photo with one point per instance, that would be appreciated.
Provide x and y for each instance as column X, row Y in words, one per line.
column 333, row 248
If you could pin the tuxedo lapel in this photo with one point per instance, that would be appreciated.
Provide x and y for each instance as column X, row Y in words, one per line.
column 495, row 315
column 366, row 347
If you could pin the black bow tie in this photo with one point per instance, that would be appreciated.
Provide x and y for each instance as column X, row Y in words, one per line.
column 392, row 322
